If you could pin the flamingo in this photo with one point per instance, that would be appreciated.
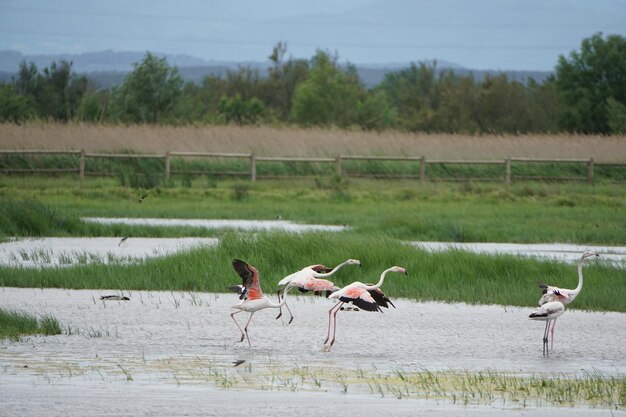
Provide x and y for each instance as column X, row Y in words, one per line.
column 563, row 295
column 365, row 296
column 311, row 278
column 253, row 299
column 548, row 312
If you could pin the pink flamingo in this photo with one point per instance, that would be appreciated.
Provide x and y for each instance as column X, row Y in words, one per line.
column 563, row 295
column 547, row 312
column 365, row 296
column 252, row 295
column 311, row 278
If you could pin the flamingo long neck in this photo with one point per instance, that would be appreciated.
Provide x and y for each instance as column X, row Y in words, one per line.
column 580, row 276
column 380, row 281
column 283, row 298
column 335, row 269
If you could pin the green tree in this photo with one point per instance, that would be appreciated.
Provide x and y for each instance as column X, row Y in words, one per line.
column 283, row 78
column 15, row 107
column 150, row 93
column 414, row 93
column 240, row 111
column 588, row 79
column 329, row 96
column 616, row 116
column 56, row 92
column 375, row 112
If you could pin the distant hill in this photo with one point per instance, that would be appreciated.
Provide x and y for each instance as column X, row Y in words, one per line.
column 109, row 68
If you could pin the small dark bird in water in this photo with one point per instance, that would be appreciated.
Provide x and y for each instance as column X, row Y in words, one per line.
column 238, row 362
column 114, row 297
column 122, row 241
column 143, row 197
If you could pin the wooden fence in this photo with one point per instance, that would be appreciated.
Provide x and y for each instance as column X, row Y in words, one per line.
column 338, row 161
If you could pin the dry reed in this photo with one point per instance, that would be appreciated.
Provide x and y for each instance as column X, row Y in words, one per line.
column 297, row 142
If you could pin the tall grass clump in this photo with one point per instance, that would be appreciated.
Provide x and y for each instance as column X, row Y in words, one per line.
column 32, row 218
column 451, row 276
column 15, row 324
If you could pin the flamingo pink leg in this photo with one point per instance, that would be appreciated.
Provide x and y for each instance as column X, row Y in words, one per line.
column 336, row 306
column 335, row 325
column 232, row 316
column 280, row 311
column 552, row 340
column 545, row 339
column 246, row 328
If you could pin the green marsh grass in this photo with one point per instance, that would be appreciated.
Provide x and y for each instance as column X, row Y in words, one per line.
column 16, row 324
column 451, row 276
column 407, row 210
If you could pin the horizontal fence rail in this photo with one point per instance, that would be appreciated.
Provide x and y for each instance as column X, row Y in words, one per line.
column 417, row 166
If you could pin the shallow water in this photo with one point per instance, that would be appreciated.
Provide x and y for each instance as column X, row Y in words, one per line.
column 52, row 251
column 554, row 251
column 162, row 349
column 270, row 225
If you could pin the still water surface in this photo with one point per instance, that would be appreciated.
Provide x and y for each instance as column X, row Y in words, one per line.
column 171, row 353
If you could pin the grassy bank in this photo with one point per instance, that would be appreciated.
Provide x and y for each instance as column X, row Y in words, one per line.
column 14, row 324
column 447, row 276
column 527, row 213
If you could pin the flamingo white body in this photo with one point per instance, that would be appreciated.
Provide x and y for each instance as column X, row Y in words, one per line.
column 547, row 312
column 254, row 299
column 312, row 278
column 365, row 296
column 564, row 295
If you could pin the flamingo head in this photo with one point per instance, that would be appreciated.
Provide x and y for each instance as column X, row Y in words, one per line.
column 398, row 269
column 353, row 262
column 589, row 253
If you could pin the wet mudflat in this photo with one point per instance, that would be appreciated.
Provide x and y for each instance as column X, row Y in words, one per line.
column 172, row 353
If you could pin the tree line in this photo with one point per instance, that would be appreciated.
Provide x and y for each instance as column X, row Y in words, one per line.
column 586, row 94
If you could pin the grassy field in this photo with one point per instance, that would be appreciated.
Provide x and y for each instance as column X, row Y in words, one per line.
column 527, row 213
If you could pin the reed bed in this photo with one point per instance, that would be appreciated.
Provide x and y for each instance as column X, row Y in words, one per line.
column 452, row 276
column 298, row 142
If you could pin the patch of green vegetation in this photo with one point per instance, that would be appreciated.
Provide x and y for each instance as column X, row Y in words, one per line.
column 452, row 276
column 407, row 210
column 14, row 324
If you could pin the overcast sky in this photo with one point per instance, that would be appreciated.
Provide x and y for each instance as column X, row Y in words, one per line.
column 480, row 34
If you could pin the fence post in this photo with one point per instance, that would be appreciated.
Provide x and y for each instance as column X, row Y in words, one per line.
column 422, row 169
column 507, row 172
column 590, row 171
column 252, row 167
column 81, row 166
column 168, row 161
column 338, row 165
